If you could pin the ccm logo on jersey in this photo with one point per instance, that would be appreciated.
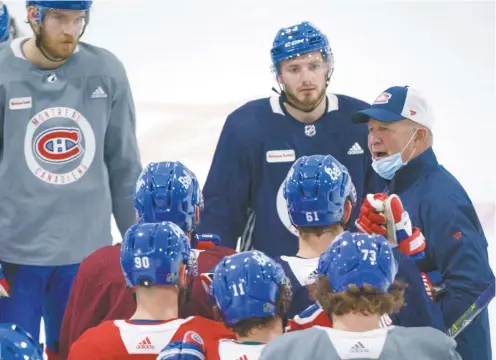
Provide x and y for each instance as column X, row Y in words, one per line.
column 20, row 103
column 277, row 156
column 59, row 145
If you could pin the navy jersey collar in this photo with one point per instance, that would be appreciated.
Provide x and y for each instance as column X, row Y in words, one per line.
column 411, row 172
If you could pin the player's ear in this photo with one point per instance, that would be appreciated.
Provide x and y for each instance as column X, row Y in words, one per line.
column 31, row 18
column 347, row 211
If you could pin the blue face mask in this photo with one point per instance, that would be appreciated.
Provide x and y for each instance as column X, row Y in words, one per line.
column 387, row 166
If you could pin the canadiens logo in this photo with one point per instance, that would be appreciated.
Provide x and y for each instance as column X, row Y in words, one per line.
column 383, row 98
column 59, row 145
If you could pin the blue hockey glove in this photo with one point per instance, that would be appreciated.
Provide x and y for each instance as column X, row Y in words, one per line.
column 190, row 348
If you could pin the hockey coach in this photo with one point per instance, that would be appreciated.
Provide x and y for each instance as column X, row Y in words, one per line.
column 400, row 141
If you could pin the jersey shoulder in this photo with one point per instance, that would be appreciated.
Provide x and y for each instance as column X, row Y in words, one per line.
column 209, row 258
column 100, row 61
column 102, row 339
column 311, row 343
column 351, row 103
column 104, row 261
column 213, row 330
column 247, row 119
column 429, row 341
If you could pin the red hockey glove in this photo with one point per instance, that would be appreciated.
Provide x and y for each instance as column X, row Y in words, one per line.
column 372, row 219
column 410, row 241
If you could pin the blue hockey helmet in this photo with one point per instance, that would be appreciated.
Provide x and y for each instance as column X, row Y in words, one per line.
column 43, row 6
column 298, row 40
column 168, row 191
column 62, row 5
column 316, row 189
column 358, row 259
column 4, row 23
column 247, row 285
column 16, row 343
column 152, row 254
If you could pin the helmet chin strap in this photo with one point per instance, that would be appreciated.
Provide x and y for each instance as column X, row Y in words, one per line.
column 285, row 98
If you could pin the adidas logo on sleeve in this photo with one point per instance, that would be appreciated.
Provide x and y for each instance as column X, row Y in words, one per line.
column 99, row 93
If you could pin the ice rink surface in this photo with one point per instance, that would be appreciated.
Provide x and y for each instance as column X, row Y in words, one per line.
column 191, row 63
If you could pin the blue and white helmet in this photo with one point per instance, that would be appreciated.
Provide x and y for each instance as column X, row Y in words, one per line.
column 298, row 40
column 359, row 259
column 17, row 344
column 316, row 189
column 152, row 254
column 247, row 285
column 168, row 191
column 4, row 23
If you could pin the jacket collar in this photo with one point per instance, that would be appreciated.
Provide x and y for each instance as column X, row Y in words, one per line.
column 421, row 165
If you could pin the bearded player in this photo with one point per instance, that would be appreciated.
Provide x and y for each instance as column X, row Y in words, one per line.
column 261, row 140
column 68, row 141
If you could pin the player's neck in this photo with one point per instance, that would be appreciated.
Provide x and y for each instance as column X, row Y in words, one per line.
column 263, row 335
column 311, row 246
column 156, row 304
column 36, row 57
column 356, row 322
column 307, row 117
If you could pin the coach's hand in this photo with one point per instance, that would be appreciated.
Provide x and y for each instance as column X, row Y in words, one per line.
column 410, row 241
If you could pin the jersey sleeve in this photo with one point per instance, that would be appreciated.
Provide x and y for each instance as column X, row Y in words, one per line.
column 229, row 186
column 121, row 153
column 420, row 309
column 455, row 237
column 86, row 347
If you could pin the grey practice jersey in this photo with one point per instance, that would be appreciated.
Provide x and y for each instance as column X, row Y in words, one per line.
column 68, row 155
column 392, row 343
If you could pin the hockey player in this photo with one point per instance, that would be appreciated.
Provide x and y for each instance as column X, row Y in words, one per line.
column 165, row 191
column 4, row 23
column 154, row 259
column 261, row 140
column 16, row 344
column 320, row 196
column 355, row 287
column 252, row 294
column 68, row 141
column 400, row 124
